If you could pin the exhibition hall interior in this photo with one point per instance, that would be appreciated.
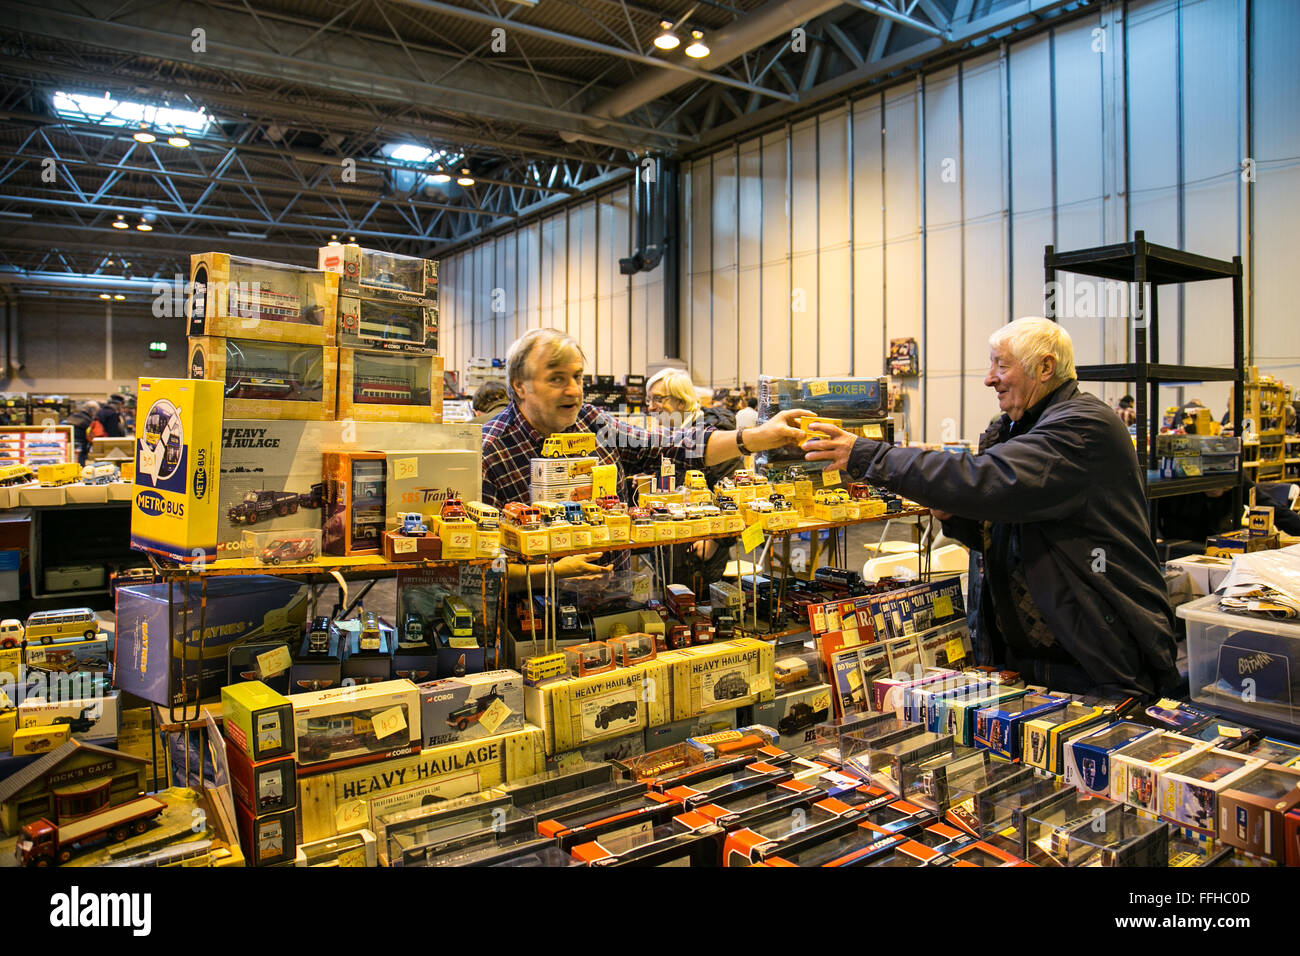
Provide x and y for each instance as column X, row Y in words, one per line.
column 696, row 433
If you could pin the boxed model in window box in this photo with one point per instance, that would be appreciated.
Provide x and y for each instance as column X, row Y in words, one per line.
column 318, row 663
column 354, row 501
column 267, row 380
column 265, row 786
column 688, row 839
column 389, row 386
column 267, row 839
column 257, row 299
column 1252, row 811
column 378, row 273
column 1189, row 789
column 1136, row 769
column 257, row 720
column 370, row 722
column 470, row 707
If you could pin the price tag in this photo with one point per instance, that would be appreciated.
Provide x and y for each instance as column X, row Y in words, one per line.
column 403, row 545
column 753, row 536
column 955, row 650
column 822, row 701
column 819, row 620
column 830, row 477
column 1234, row 732
column 641, row 589
column 570, row 761
column 274, row 662
column 389, row 722
column 406, row 468
column 604, row 481
column 494, row 715
column 1164, row 703
column 354, row 857
column 351, row 816
column 760, row 684
column 1192, row 471
column 818, row 386
column 943, row 605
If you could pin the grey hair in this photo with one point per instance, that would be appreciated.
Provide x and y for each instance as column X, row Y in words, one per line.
column 558, row 347
column 1031, row 339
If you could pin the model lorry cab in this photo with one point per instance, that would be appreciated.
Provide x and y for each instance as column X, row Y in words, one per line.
column 570, row 443
column 413, row 524
column 11, row 633
column 521, row 515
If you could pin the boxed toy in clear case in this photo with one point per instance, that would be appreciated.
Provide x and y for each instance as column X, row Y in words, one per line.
column 373, row 720
column 282, row 547
column 1189, row 789
column 371, row 323
column 378, row 273
column 267, row 379
column 389, row 386
column 255, row 299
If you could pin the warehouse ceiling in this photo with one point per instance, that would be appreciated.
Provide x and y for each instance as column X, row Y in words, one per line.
column 409, row 125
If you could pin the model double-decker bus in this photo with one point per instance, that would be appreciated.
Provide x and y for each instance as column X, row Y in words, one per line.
column 254, row 302
column 383, row 390
column 259, row 383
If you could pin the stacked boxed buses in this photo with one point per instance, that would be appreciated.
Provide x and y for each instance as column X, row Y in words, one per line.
column 858, row 405
column 387, row 335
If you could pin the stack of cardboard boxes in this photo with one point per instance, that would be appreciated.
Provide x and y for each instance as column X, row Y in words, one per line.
column 258, row 727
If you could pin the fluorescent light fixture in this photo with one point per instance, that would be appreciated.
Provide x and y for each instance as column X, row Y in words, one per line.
column 666, row 40
column 105, row 110
column 697, row 49
column 410, row 153
column 238, row 234
column 120, row 223
column 440, row 177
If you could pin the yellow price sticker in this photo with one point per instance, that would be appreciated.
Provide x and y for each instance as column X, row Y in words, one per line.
column 752, row 536
column 955, row 650
column 494, row 715
column 822, row 701
column 404, row 545
column 830, row 477
column 389, row 722
column 1229, row 731
column 818, row 387
column 1164, row 703
column 406, row 468
column 274, row 662
column 760, row 684
column 943, row 605
column 353, row 815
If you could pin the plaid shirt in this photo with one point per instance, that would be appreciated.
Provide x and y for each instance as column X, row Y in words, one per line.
column 510, row 444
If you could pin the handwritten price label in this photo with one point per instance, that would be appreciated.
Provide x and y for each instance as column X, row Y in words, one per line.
column 752, row 536
column 955, row 650
column 274, row 662
column 389, row 722
column 405, row 545
column 351, row 816
column 355, row 857
column 943, row 605
column 1229, row 731
column 830, row 477
column 494, row 715
column 818, row 387
column 405, row 468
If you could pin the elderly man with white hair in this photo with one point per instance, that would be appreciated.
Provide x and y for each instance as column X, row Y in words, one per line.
column 1072, row 595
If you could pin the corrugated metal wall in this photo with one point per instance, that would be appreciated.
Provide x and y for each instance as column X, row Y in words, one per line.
column 923, row 211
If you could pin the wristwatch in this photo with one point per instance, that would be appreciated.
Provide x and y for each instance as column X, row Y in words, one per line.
column 740, row 442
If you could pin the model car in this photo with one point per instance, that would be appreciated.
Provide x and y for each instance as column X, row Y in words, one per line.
column 743, row 476
column 521, row 515
column 573, row 512
column 472, row 712
column 413, row 524
column 723, row 484
column 369, row 637
column 485, row 516
column 11, row 632
column 761, row 505
column 780, row 503
column 568, row 617
column 283, row 550
column 724, row 623
column 641, row 515
column 413, row 629
column 730, row 686
column 678, row 637
column 100, row 473
column 623, row 710
column 610, row 503
column 695, row 480
column 453, row 509
column 676, row 512
column 703, row 632
column 800, row 717
column 456, row 617
column 859, row 489
column 790, row 671
column 318, row 638
column 726, row 506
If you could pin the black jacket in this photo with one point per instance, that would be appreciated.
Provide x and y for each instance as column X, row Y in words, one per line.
column 1072, row 482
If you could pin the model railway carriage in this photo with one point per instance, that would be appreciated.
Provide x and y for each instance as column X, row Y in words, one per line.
column 254, row 302
column 261, row 383
column 383, row 390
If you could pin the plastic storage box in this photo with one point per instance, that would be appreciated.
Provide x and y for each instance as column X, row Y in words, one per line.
column 1243, row 665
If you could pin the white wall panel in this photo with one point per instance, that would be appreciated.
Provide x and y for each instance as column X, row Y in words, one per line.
column 941, row 359
column 616, row 245
column 775, row 338
column 723, row 350
column 984, row 188
column 902, row 235
column 835, row 271
column 1030, row 171
column 749, row 278
column 698, row 334
column 868, row 239
column 804, row 247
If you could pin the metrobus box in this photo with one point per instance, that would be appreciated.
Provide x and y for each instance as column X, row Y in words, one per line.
column 174, row 508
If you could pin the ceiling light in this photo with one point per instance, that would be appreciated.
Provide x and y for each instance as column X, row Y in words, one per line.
column 180, row 142
column 105, row 295
column 119, row 297
column 244, row 234
column 440, row 177
column 697, row 49
column 120, row 223
column 666, row 40
column 144, row 226
column 334, row 241
column 464, row 179
column 410, row 153
column 144, row 136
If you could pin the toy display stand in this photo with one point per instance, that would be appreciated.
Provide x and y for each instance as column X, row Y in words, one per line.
column 661, row 561
column 192, row 715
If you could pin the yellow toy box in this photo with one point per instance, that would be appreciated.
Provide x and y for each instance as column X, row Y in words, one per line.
column 261, row 300
column 721, row 676
column 267, row 380
column 175, row 508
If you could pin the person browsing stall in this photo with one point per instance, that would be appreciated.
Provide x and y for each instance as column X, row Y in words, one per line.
column 1072, row 596
column 544, row 370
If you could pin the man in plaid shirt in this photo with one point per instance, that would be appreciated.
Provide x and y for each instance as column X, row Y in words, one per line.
column 544, row 379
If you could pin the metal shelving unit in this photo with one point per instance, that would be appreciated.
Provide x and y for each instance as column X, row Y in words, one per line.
column 1144, row 264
